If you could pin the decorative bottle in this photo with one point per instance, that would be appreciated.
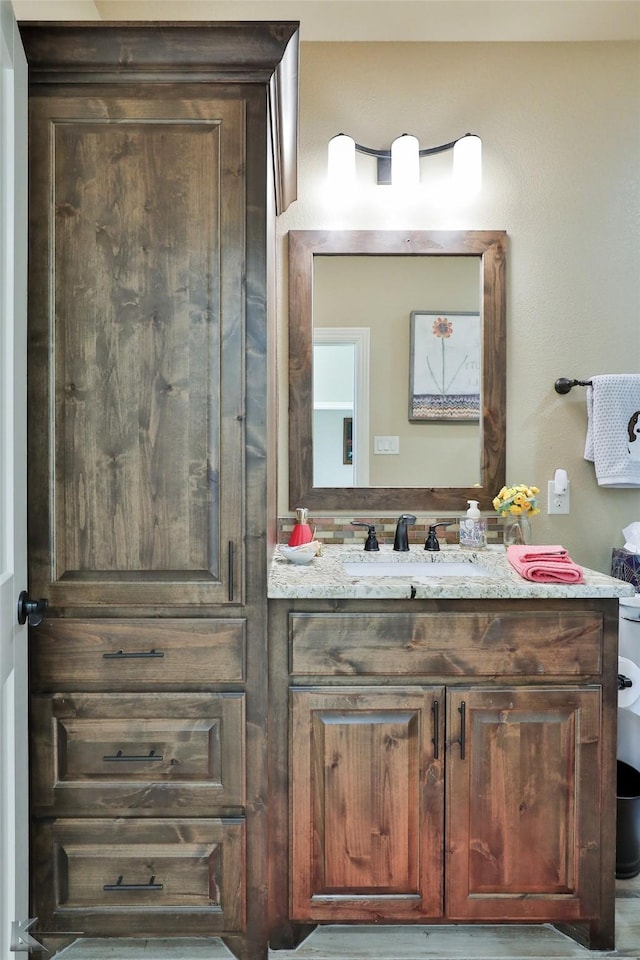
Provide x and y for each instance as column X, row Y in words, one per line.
column 302, row 532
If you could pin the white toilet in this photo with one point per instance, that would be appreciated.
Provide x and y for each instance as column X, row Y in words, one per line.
column 629, row 697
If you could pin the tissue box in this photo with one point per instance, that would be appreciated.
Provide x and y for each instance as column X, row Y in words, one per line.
column 626, row 566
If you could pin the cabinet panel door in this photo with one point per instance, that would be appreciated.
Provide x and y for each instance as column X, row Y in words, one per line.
column 135, row 328
column 523, row 804
column 367, row 803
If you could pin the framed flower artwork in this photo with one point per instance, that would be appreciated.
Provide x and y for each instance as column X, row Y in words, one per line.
column 444, row 366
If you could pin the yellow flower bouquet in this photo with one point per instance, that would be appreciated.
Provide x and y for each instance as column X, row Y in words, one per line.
column 519, row 500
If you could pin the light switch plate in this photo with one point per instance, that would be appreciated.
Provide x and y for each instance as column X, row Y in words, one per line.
column 386, row 444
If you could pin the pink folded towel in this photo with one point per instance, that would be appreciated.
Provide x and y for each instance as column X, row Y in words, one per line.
column 548, row 564
column 527, row 554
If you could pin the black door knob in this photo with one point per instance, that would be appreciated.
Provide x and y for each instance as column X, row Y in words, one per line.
column 31, row 610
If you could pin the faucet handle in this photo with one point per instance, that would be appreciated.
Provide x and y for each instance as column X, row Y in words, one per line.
column 432, row 543
column 371, row 543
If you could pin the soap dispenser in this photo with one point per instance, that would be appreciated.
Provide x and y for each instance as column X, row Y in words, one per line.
column 473, row 528
column 301, row 532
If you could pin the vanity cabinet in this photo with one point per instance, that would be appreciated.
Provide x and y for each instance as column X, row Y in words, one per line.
column 159, row 154
column 450, row 761
column 370, row 772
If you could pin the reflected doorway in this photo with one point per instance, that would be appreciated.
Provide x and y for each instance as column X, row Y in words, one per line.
column 341, row 406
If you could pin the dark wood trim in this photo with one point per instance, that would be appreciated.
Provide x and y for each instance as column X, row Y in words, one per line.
column 222, row 50
column 254, row 388
column 283, row 106
column 599, row 934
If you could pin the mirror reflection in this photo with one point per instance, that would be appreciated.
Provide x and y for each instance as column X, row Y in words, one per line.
column 382, row 326
column 396, row 369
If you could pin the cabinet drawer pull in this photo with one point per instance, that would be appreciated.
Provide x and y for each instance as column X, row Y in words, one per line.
column 435, row 740
column 119, row 885
column 121, row 655
column 121, row 757
column 462, row 710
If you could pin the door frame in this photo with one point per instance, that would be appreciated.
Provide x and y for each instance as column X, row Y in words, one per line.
column 14, row 858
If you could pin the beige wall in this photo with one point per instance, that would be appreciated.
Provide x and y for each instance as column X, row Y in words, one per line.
column 560, row 124
column 379, row 293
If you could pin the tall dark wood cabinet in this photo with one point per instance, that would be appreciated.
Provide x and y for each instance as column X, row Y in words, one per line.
column 158, row 156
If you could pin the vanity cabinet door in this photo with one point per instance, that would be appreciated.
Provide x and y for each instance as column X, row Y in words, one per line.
column 523, row 803
column 367, row 803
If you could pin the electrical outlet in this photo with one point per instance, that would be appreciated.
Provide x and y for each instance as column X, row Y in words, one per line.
column 557, row 502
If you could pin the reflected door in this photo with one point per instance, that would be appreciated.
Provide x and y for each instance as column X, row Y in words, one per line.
column 341, row 407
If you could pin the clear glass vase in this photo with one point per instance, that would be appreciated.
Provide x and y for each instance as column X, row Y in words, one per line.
column 516, row 530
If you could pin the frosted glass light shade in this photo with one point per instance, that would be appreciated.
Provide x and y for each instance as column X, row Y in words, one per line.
column 467, row 165
column 341, row 167
column 405, row 161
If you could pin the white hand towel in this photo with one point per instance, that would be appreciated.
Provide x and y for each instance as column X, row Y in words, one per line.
column 613, row 429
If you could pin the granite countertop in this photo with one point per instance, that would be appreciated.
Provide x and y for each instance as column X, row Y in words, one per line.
column 325, row 578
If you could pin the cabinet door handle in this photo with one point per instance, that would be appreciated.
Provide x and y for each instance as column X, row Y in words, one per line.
column 462, row 710
column 121, row 757
column 435, row 740
column 120, row 885
column 31, row 610
column 142, row 655
column 230, row 560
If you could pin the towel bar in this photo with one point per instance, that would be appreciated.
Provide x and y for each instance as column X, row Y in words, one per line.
column 562, row 385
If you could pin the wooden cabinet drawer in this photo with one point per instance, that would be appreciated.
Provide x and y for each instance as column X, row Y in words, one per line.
column 92, row 875
column 137, row 654
column 151, row 754
column 548, row 643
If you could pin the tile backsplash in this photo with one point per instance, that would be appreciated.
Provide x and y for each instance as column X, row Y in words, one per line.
column 339, row 530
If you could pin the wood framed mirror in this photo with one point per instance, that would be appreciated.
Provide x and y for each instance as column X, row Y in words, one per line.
column 445, row 284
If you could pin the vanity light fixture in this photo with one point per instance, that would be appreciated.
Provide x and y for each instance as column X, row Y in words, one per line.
column 401, row 164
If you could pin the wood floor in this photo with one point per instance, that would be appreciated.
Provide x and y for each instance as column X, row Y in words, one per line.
column 539, row 942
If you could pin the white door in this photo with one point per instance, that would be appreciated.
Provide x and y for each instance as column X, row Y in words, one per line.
column 340, row 390
column 13, row 502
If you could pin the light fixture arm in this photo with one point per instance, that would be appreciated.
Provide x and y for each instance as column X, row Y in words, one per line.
column 384, row 156
column 426, row 152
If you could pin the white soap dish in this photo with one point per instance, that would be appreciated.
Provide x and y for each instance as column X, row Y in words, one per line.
column 302, row 554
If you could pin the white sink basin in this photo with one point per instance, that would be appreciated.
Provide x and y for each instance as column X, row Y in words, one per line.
column 435, row 569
